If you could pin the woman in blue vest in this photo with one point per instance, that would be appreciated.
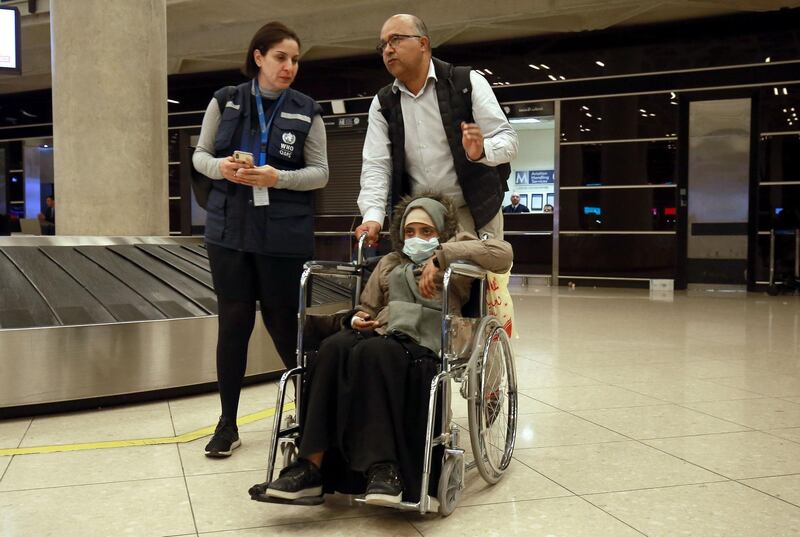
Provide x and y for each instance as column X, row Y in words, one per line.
column 259, row 224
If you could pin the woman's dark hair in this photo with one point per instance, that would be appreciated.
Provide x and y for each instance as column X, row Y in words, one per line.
column 264, row 39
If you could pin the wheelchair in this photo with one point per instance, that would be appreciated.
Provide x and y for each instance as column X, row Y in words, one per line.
column 476, row 354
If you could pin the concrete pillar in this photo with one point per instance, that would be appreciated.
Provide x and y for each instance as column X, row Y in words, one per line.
column 109, row 68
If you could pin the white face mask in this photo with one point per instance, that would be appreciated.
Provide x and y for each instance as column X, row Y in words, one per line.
column 419, row 249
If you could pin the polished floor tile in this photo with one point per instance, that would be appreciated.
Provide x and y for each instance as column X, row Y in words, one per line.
column 92, row 466
column 149, row 507
column 792, row 434
column 538, row 518
column 388, row 525
column 588, row 397
column 612, row 466
column 754, row 413
column 766, row 384
column 533, row 374
column 658, row 421
column 12, row 431
column 726, row 509
column 786, row 487
column 99, row 425
column 560, row 429
column 736, row 455
column 4, row 462
column 688, row 390
column 518, row 483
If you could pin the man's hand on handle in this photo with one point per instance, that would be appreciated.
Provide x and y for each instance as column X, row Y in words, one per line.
column 372, row 229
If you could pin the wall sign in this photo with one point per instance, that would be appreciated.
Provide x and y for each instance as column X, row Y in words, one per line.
column 534, row 177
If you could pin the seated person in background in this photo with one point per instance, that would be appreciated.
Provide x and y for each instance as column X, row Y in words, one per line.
column 367, row 404
column 547, row 208
column 48, row 218
column 516, row 206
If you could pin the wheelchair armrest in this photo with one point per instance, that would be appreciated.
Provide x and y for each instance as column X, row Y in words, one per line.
column 468, row 269
column 331, row 267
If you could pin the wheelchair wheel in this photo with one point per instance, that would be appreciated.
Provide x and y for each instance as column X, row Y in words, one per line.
column 451, row 483
column 492, row 401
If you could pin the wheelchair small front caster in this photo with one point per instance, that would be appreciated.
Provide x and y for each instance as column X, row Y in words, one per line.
column 451, row 484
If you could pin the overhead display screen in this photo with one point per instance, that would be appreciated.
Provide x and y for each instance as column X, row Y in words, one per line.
column 9, row 40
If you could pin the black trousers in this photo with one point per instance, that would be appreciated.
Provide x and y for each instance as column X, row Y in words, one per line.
column 367, row 402
column 241, row 279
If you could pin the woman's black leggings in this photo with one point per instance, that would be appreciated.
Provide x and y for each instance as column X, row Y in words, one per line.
column 277, row 285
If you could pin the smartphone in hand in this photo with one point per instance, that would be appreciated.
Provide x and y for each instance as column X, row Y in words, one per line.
column 244, row 157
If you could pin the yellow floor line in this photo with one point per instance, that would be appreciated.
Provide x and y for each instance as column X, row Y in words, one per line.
column 180, row 439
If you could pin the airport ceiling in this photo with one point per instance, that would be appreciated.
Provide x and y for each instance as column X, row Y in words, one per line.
column 210, row 35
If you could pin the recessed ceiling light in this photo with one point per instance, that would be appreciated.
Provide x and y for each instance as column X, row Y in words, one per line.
column 533, row 66
column 551, row 77
column 544, row 66
column 601, row 64
column 488, row 71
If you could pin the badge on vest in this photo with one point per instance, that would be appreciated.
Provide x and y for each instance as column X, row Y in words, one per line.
column 287, row 145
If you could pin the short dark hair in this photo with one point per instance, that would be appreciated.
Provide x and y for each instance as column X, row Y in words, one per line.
column 264, row 39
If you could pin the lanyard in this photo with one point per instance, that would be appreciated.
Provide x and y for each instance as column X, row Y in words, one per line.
column 265, row 125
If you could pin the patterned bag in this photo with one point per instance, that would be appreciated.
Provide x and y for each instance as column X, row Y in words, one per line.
column 498, row 300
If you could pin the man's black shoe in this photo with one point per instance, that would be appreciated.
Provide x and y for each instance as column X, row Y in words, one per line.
column 301, row 479
column 224, row 441
column 384, row 486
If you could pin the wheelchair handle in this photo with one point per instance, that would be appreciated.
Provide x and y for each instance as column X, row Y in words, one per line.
column 362, row 239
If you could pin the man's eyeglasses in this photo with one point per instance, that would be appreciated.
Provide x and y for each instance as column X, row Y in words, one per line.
column 393, row 41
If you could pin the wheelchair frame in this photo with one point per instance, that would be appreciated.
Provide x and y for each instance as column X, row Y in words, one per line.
column 468, row 371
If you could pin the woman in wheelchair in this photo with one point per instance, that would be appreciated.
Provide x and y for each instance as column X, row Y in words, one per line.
column 366, row 405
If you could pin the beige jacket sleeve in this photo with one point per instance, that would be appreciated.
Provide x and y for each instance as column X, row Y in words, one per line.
column 375, row 296
column 493, row 255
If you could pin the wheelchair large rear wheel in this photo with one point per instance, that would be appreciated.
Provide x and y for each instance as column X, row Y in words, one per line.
column 492, row 401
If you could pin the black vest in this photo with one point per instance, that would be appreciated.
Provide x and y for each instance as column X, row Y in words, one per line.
column 285, row 227
column 482, row 185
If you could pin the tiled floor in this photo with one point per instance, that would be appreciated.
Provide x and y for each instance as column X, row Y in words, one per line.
column 637, row 417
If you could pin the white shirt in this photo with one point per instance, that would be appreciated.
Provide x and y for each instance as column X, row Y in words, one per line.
column 429, row 161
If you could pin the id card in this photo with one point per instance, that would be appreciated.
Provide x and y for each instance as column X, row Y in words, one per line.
column 260, row 196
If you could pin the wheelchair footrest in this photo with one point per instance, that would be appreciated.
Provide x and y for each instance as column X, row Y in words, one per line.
column 259, row 494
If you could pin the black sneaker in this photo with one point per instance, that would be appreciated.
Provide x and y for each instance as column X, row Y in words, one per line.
column 384, row 486
column 224, row 441
column 300, row 479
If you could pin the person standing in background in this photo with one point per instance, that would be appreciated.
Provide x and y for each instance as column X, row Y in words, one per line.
column 48, row 218
column 515, row 206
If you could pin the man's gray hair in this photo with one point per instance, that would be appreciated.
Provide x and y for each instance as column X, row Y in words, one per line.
column 419, row 26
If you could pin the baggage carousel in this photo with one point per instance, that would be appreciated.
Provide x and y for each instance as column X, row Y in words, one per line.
column 91, row 321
